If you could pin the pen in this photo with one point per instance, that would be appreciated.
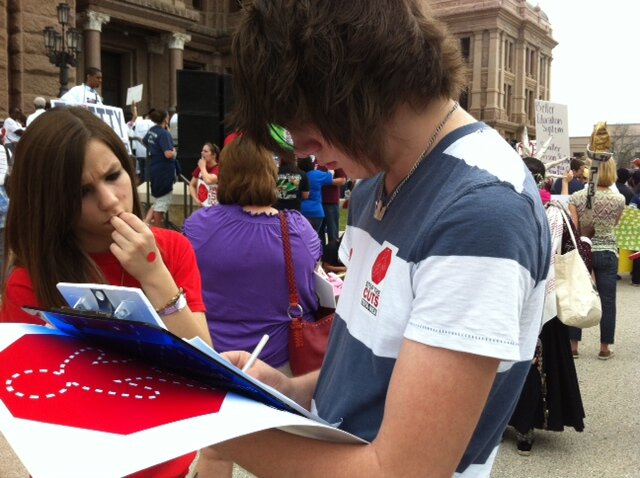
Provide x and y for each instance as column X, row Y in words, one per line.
column 255, row 353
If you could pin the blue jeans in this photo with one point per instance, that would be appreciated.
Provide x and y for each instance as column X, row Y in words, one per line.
column 331, row 224
column 605, row 268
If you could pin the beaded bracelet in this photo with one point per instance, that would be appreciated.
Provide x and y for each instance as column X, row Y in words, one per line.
column 175, row 304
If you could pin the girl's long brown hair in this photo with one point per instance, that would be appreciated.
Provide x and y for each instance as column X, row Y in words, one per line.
column 46, row 200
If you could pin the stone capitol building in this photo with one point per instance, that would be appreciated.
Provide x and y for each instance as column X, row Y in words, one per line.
column 507, row 45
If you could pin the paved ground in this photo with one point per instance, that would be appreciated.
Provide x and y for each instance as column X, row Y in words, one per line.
column 609, row 445
column 610, row 389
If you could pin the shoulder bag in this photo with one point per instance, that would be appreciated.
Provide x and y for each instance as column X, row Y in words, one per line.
column 578, row 301
column 307, row 340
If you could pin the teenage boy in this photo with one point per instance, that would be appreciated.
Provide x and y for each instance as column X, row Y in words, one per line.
column 447, row 244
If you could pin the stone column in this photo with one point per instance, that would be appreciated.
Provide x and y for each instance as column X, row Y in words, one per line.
column 547, row 77
column 536, row 75
column 519, row 113
column 13, row 78
column 493, row 80
column 92, row 27
column 475, row 100
column 155, row 48
column 175, row 42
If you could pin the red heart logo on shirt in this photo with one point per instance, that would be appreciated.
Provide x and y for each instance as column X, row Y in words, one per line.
column 203, row 192
column 381, row 266
column 61, row 380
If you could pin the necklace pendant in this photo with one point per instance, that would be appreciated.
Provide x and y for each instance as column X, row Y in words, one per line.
column 379, row 210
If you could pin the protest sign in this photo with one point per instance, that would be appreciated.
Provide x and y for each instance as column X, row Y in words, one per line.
column 134, row 94
column 552, row 122
column 111, row 115
column 75, row 409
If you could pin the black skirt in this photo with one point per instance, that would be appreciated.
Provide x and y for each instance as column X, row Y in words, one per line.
column 550, row 398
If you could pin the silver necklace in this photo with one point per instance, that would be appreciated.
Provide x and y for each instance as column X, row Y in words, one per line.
column 382, row 205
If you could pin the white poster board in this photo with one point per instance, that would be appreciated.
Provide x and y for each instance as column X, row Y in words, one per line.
column 89, row 413
column 552, row 122
column 111, row 115
column 134, row 94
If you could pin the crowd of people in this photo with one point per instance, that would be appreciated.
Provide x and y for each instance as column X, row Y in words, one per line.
column 619, row 187
column 550, row 398
column 431, row 383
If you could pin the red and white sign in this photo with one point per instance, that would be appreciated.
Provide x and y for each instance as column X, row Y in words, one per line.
column 66, row 381
column 72, row 409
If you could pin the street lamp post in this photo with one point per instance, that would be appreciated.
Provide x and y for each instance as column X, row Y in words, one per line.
column 62, row 48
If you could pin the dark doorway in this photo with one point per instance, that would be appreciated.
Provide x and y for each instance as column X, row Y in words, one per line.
column 112, row 89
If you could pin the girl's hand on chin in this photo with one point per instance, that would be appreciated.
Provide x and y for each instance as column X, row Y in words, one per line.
column 134, row 246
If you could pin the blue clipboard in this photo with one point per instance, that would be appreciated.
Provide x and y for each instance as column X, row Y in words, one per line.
column 122, row 319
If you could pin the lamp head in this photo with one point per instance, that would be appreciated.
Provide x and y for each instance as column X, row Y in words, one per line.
column 63, row 13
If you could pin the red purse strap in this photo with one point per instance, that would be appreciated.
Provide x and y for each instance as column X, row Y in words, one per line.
column 294, row 304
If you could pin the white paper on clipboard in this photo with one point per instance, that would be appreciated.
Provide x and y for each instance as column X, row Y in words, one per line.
column 324, row 290
column 127, row 302
column 134, row 94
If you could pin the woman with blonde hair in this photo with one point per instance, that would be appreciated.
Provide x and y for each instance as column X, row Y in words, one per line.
column 606, row 207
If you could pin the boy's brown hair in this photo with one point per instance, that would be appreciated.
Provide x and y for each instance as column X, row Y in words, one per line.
column 343, row 67
column 247, row 175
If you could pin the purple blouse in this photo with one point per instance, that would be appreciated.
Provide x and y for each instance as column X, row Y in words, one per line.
column 244, row 280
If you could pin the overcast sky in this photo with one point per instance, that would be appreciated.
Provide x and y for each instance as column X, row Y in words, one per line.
column 596, row 65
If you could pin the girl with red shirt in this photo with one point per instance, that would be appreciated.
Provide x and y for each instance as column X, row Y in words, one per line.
column 75, row 217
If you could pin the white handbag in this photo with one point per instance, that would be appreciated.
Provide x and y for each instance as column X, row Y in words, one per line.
column 577, row 298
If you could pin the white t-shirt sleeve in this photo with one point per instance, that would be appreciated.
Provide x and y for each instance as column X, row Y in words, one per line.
column 473, row 292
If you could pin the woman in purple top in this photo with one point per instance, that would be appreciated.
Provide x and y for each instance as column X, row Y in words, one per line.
column 239, row 252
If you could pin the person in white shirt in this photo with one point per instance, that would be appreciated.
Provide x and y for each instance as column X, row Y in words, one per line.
column 14, row 128
column 173, row 128
column 140, row 128
column 86, row 92
column 38, row 103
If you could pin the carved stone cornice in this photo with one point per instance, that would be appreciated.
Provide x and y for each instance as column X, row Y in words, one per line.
column 165, row 7
column 154, row 15
column 204, row 30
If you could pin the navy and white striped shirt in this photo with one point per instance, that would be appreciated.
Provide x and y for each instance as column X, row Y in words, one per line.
column 459, row 262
